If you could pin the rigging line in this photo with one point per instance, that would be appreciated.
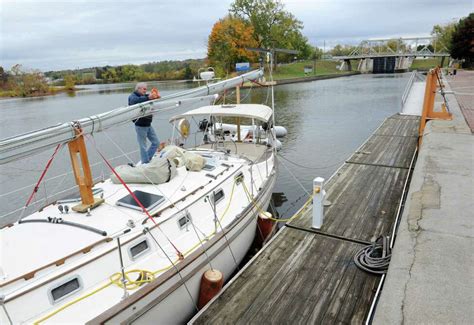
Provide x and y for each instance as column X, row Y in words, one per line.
column 48, row 164
column 147, row 230
column 6, row 311
column 43, row 174
column 316, row 168
column 200, row 241
column 62, row 175
column 213, row 207
column 180, row 255
column 297, row 181
column 41, row 200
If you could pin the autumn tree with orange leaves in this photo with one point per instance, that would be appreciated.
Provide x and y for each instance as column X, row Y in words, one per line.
column 227, row 42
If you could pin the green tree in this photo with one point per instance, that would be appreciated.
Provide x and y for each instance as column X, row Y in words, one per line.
column 316, row 53
column 188, row 73
column 274, row 27
column 69, row 82
column 3, row 78
column 342, row 50
column 443, row 35
column 462, row 46
column 396, row 45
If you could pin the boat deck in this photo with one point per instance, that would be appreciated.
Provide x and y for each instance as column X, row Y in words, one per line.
column 308, row 276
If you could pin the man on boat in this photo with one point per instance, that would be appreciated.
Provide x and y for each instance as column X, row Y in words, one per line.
column 143, row 124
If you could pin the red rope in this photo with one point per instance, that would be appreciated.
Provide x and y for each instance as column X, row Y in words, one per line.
column 258, row 83
column 42, row 176
column 180, row 255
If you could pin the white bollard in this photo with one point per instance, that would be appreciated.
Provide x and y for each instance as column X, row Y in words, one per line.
column 318, row 199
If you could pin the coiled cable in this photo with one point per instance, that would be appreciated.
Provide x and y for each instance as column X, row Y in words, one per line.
column 375, row 258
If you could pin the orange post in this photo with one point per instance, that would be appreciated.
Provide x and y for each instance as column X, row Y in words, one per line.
column 428, row 112
column 82, row 173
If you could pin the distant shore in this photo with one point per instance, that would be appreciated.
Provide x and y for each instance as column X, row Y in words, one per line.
column 5, row 94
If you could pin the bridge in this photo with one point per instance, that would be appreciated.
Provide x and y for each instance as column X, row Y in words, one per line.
column 389, row 55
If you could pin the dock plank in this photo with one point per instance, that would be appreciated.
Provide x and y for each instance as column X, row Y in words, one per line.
column 364, row 201
column 301, row 285
column 400, row 125
column 383, row 150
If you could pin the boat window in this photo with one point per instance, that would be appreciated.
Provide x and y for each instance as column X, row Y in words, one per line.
column 184, row 220
column 218, row 196
column 138, row 249
column 239, row 178
column 65, row 289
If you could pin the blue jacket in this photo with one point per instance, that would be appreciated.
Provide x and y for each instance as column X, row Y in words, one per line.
column 136, row 98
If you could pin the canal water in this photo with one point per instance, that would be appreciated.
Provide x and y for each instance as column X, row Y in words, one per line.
column 327, row 120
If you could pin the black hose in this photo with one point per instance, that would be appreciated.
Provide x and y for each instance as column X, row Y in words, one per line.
column 67, row 223
column 375, row 258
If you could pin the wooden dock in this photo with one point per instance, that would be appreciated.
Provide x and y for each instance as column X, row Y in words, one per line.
column 304, row 276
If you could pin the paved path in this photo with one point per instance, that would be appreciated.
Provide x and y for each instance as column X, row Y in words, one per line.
column 431, row 274
column 463, row 85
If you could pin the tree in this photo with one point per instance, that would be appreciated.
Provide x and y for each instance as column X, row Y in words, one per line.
column 227, row 42
column 396, row 45
column 442, row 37
column 342, row 50
column 188, row 72
column 462, row 46
column 273, row 26
column 28, row 83
column 3, row 78
column 429, row 47
column 69, row 82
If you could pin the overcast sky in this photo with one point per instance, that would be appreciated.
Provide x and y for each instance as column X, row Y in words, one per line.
column 55, row 34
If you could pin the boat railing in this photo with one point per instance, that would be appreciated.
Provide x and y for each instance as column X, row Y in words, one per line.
column 57, row 187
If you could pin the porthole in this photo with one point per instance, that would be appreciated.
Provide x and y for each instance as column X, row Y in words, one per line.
column 65, row 289
column 138, row 249
column 239, row 178
column 184, row 221
column 218, row 196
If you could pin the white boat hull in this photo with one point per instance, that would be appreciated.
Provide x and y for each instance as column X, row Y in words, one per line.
column 170, row 302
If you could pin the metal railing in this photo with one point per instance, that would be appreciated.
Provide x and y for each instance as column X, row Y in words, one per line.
column 408, row 87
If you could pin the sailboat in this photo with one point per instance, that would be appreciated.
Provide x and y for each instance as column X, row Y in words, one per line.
column 134, row 251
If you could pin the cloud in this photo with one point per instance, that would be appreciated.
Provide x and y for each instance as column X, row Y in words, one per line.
column 50, row 35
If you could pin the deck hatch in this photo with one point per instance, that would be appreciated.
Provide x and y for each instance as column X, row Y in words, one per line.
column 148, row 200
column 65, row 289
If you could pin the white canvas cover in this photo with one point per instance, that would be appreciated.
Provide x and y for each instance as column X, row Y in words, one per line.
column 157, row 171
column 256, row 111
column 181, row 157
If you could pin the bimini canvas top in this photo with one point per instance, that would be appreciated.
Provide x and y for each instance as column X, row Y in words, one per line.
column 256, row 111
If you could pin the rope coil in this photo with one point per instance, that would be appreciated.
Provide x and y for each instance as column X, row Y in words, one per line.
column 375, row 258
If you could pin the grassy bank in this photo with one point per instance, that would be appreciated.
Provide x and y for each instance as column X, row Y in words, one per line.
column 426, row 64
